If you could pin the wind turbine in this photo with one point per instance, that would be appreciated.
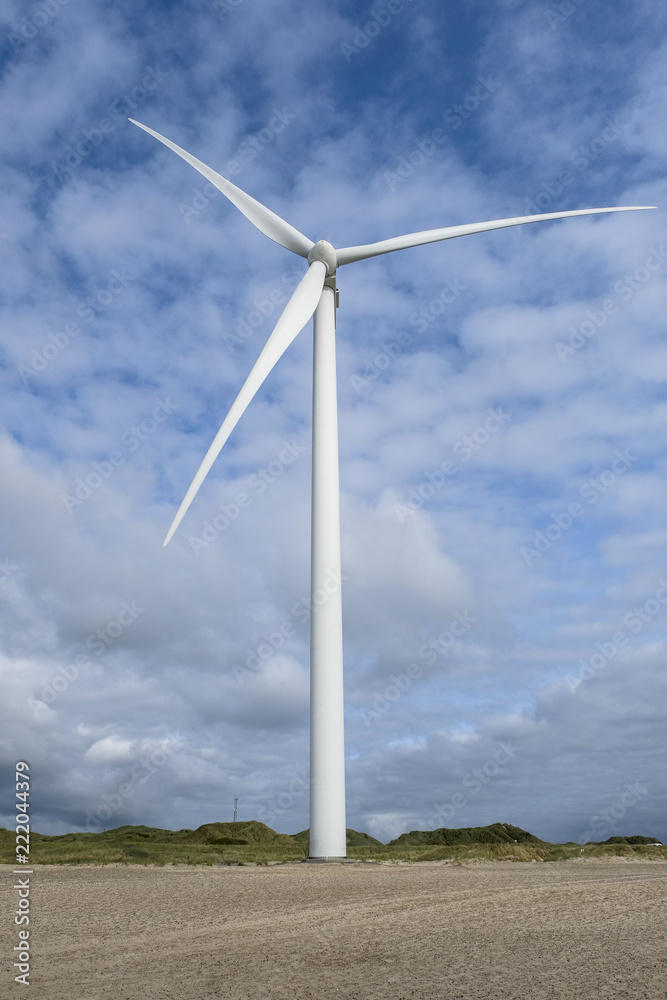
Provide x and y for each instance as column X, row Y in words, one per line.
column 316, row 296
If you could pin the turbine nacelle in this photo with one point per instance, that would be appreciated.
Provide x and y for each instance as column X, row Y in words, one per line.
column 325, row 252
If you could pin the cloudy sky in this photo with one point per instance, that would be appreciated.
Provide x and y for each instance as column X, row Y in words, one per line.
column 501, row 402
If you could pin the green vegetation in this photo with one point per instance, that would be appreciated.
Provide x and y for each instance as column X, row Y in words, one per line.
column 352, row 839
column 211, row 843
column 254, row 843
column 497, row 833
column 631, row 840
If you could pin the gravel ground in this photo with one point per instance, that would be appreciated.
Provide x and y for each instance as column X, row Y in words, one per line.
column 593, row 930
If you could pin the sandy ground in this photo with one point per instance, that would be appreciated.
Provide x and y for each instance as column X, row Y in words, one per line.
column 577, row 929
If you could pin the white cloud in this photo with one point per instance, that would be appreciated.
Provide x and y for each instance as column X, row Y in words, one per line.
column 110, row 750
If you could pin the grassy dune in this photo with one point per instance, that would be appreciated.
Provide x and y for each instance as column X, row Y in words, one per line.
column 254, row 843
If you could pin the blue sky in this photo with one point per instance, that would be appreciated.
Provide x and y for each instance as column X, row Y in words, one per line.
column 501, row 404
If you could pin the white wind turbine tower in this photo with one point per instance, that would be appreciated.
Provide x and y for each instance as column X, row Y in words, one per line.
column 315, row 296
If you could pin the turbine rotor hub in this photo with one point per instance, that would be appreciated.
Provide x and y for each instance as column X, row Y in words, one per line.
column 325, row 252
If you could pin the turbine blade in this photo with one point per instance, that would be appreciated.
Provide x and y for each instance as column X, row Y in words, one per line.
column 263, row 218
column 349, row 254
column 294, row 317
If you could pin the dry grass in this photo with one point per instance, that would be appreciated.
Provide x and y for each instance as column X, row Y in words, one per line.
column 466, row 853
column 215, row 844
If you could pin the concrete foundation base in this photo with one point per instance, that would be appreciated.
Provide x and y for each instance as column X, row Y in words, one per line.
column 332, row 861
